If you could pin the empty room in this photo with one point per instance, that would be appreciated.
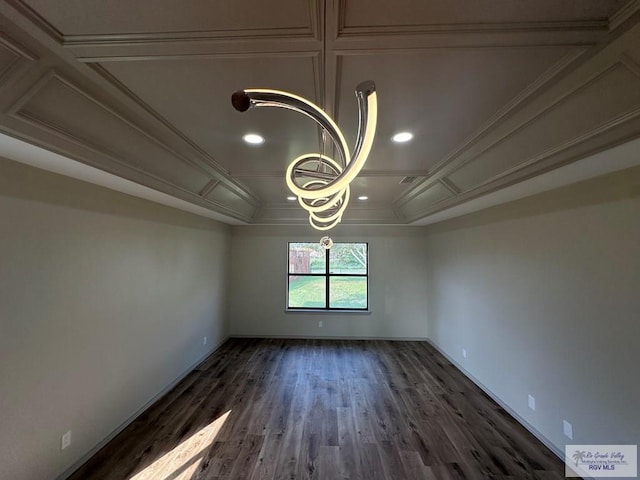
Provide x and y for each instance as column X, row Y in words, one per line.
column 422, row 261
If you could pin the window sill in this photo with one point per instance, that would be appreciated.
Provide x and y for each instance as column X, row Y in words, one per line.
column 324, row 311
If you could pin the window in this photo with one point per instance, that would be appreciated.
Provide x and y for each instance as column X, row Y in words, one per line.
column 334, row 279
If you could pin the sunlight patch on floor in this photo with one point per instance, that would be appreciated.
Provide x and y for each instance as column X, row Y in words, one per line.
column 181, row 462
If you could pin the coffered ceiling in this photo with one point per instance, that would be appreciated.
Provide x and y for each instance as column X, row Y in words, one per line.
column 495, row 92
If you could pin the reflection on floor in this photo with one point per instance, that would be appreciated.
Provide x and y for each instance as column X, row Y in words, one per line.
column 324, row 409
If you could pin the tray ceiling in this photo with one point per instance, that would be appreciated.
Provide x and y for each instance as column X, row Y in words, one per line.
column 494, row 92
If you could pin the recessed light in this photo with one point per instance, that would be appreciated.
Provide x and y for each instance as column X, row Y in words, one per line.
column 291, row 198
column 402, row 137
column 253, row 139
column 363, row 197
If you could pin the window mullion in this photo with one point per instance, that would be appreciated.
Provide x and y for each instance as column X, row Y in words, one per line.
column 326, row 283
column 351, row 292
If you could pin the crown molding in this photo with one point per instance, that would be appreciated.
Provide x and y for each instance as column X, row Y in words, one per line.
column 466, row 28
column 35, row 156
column 449, row 185
column 535, row 163
column 127, row 39
column 625, row 13
column 363, row 173
column 564, row 147
column 546, row 109
column 208, row 188
column 212, row 167
column 10, row 44
column 630, row 64
column 52, row 75
column 511, row 107
column 504, row 113
column 16, row 111
column 36, row 19
column 607, row 160
column 468, row 35
column 523, row 177
column 20, row 55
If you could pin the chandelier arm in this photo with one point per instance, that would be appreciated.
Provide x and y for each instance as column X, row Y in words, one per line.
column 326, row 196
column 365, row 142
column 322, row 204
column 302, row 172
column 274, row 98
column 333, row 214
column 352, row 169
column 323, row 226
column 363, row 90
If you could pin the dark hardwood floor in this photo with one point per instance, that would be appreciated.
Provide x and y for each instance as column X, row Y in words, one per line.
column 324, row 409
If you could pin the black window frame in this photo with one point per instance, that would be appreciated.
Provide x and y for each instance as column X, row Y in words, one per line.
column 327, row 275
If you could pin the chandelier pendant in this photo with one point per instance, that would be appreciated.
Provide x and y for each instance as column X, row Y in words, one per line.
column 321, row 183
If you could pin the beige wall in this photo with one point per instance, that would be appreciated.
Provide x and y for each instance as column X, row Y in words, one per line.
column 104, row 302
column 544, row 294
column 396, row 284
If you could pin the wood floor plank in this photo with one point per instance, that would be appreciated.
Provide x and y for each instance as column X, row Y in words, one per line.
column 350, row 459
column 265, row 466
column 371, row 462
column 392, row 460
column 309, row 456
column 414, row 468
column 361, row 412
column 265, row 409
column 329, row 462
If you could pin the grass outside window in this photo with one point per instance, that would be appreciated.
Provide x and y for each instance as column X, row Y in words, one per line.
column 335, row 279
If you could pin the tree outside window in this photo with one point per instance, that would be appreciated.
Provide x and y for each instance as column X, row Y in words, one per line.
column 335, row 279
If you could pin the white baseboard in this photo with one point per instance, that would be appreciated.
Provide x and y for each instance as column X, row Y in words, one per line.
column 69, row 471
column 329, row 337
column 495, row 398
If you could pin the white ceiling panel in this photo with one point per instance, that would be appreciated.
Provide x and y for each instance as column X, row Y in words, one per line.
column 195, row 97
column 495, row 92
column 460, row 12
column 380, row 189
column 442, row 96
column 578, row 115
column 270, row 190
column 104, row 17
column 7, row 57
column 225, row 196
column 106, row 132
column 424, row 200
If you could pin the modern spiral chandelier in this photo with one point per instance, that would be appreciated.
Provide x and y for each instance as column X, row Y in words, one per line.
column 321, row 183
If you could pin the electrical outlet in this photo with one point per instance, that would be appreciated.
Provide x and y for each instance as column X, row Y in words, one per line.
column 464, row 353
column 320, row 323
column 204, row 340
column 532, row 403
column 568, row 429
column 65, row 441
